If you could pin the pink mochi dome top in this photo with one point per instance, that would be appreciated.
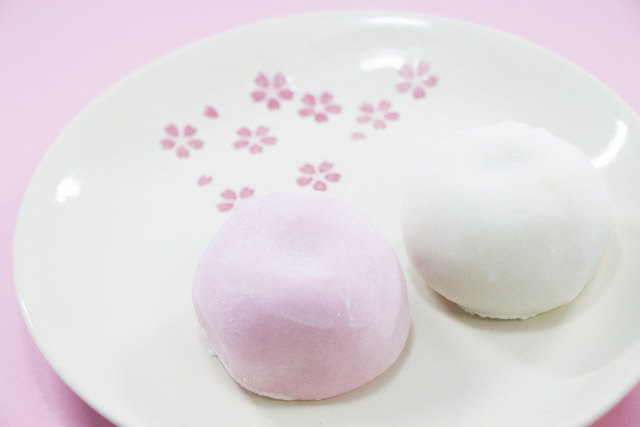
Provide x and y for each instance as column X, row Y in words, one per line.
column 301, row 297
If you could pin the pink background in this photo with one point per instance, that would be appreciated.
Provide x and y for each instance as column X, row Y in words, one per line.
column 56, row 56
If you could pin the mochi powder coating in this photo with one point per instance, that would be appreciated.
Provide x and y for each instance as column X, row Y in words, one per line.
column 506, row 220
column 301, row 297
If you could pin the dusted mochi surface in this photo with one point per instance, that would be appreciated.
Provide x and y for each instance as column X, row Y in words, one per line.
column 301, row 297
column 506, row 220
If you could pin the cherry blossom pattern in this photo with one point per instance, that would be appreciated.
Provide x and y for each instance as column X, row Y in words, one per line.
column 415, row 80
column 317, row 175
column 254, row 140
column 211, row 112
column 357, row 135
column 272, row 91
column 204, row 180
column 181, row 142
column 377, row 115
column 319, row 108
column 231, row 198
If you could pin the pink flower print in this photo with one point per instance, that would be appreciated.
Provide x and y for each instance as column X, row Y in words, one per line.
column 254, row 140
column 319, row 108
column 317, row 176
column 272, row 91
column 181, row 142
column 204, row 180
column 211, row 112
column 377, row 115
column 416, row 79
column 231, row 198
column 357, row 135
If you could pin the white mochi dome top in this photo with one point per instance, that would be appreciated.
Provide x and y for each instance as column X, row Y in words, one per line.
column 505, row 220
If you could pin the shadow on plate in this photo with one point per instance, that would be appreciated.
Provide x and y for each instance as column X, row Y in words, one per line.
column 571, row 340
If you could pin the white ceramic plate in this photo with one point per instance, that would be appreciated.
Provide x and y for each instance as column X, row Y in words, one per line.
column 117, row 214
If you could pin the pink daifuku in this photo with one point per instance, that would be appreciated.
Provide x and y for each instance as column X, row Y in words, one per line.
column 301, row 297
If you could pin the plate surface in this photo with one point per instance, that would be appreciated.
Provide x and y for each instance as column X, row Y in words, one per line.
column 117, row 214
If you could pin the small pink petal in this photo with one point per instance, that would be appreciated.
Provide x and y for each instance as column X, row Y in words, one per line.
column 255, row 149
column 320, row 186
column 367, row 108
column 196, row 143
column 172, row 130
column 334, row 109
column 423, row 67
column 418, row 92
column 326, row 98
column 357, row 135
column 182, row 152
column 325, row 166
column 167, row 144
column 273, row 104
column 229, row 195
column 379, row 124
column 246, row 192
column 244, row 132
column 403, row 87
column 269, row 140
column 211, row 112
column 391, row 116
column 406, row 71
column 262, row 81
column 431, row 81
column 189, row 130
column 364, row 119
column 240, row 144
column 332, row 177
column 224, row 207
column 309, row 99
column 258, row 95
column 304, row 112
column 308, row 169
column 305, row 180
column 321, row 117
column 384, row 105
column 279, row 80
column 261, row 130
column 286, row 94
column 204, row 180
